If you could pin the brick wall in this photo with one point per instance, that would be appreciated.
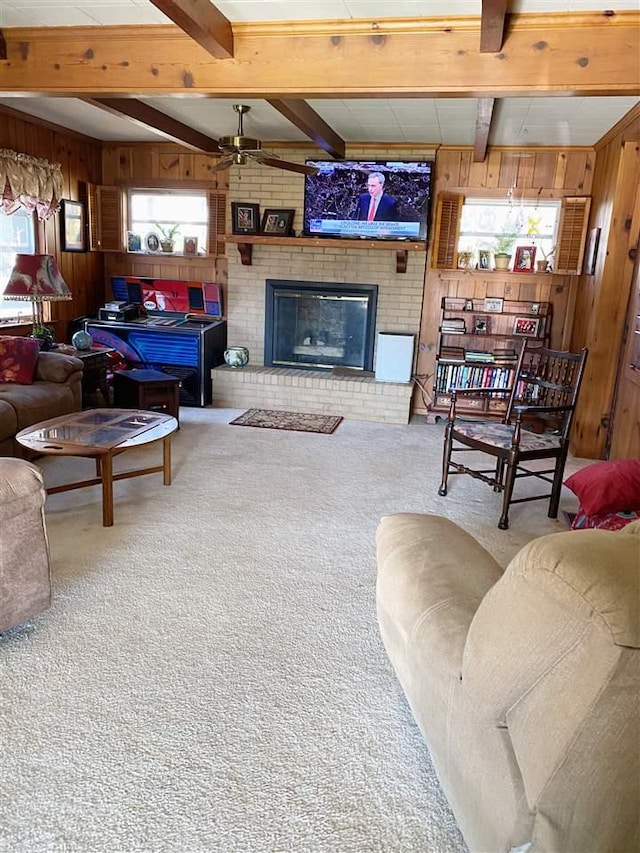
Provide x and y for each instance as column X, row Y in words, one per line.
column 399, row 294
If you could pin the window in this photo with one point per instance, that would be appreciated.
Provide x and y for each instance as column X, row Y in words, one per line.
column 155, row 215
column 497, row 226
column 17, row 235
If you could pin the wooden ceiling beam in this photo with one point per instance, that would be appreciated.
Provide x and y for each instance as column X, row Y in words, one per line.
column 148, row 117
column 484, row 114
column 595, row 55
column 203, row 22
column 494, row 13
column 306, row 119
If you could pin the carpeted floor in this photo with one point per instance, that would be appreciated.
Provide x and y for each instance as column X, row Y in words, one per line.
column 293, row 421
column 210, row 676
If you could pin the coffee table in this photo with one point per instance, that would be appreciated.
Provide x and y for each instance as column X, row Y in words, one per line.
column 102, row 434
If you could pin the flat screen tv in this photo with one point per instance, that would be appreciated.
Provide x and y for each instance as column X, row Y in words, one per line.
column 337, row 200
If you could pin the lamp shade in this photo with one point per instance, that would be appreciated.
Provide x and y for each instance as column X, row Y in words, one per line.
column 36, row 278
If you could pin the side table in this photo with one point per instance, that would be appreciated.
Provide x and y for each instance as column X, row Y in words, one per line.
column 144, row 388
column 95, row 362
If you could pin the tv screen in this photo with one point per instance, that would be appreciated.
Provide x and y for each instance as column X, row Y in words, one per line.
column 367, row 199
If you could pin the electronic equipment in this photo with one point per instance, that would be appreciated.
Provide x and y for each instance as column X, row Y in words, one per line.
column 122, row 311
column 335, row 198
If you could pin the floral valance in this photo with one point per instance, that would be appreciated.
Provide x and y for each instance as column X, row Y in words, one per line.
column 29, row 182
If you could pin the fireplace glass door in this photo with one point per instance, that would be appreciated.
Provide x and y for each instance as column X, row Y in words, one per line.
column 311, row 325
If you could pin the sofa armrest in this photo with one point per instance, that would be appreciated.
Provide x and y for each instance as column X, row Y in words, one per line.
column 56, row 367
column 432, row 576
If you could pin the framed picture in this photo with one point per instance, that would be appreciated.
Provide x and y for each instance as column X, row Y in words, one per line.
column 278, row 221
column 73, row 221
column 535, row 308
column 134, row 242
column 484, row 259
column 592, row 251
column 468, row 305
column 480, row 325
column 152, row 242
column 526, row 327
column 525, row 258
column 493, row 304
column 245, row 217
column 190, row 246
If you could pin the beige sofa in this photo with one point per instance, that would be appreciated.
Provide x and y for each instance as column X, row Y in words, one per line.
column 525, row 683
column 56, row 390
column 25, row 582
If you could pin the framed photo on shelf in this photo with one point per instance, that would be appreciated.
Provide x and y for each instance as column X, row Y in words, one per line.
column 468, row 305
column 73, row 219
column 152, row 242
column 527, row 327
column 134, row 242
column 190, row 246
column 245, row 217
column 484, row 259
column 278, row 221
column 525, row 257
column 494, row 304
column 480, row 325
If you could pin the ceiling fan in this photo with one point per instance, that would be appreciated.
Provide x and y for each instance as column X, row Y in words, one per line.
column 240, row 149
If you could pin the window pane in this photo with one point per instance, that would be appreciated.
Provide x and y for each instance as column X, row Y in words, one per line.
column 165, row 212
column 17, row 235
column 484, row 222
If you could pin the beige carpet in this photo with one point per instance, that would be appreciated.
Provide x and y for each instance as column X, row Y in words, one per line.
column 210, row 676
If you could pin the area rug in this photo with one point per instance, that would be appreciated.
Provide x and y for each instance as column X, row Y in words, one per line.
column 295, row 421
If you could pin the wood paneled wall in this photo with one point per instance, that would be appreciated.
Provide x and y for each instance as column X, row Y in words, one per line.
column 169, row 166
column 530, row 174
column 602, row 300
column 80, row 158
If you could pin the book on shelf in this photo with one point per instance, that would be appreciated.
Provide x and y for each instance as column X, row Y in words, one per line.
column 453, row 325
column 480, row 355
column 452, row 353
column 505, row 353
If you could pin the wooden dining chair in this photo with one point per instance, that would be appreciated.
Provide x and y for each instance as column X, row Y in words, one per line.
column 541, row 402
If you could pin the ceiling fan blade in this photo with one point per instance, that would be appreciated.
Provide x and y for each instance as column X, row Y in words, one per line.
column 277, row 163
column 223, row 164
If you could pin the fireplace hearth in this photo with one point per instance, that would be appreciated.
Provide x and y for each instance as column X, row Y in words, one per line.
column 315, row 325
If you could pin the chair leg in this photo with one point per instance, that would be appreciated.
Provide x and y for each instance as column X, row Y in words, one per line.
column 446, row 456
column 499, row 473
column 510, row 479
column 556, row 488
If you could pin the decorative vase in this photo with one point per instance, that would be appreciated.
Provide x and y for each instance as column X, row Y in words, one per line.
column 81, row 340
column 236, row 356
column 542, row 266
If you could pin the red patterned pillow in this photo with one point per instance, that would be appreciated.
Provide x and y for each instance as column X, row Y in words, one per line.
column 607, row 486
column 605, row 520
column 18, row 357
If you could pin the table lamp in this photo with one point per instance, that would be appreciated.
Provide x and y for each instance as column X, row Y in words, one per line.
column 37, row 279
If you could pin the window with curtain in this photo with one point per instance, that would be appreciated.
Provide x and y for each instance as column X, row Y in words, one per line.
column 17, row 234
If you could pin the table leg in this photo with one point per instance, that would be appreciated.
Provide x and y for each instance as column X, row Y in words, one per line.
column 106, row 463
column 166, row 459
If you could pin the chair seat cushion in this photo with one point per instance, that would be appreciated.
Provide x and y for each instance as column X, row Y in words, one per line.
column 501, row 435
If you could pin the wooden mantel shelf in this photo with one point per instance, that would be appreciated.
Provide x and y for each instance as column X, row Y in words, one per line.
column 246, row 242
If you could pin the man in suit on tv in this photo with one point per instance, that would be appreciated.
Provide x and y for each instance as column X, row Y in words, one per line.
column 375, row 205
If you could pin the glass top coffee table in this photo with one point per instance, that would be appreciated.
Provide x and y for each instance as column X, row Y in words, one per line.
column 102, row 434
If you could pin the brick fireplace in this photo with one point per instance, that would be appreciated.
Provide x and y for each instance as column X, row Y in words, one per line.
column 352, row 394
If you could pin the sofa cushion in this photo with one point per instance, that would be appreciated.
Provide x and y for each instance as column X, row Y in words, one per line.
column 18, row 357
column 8, row 420
column 38, row 402
column 607, row 486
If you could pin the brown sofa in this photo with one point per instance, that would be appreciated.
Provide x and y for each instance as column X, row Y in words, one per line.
column 525, row 682
column 25, row 583
column 56, row 390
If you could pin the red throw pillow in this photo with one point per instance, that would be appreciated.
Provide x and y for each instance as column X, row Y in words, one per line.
column 607, row 486
column 18, row 357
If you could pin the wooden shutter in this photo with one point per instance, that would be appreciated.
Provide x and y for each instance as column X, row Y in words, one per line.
column 106, row 229
column 572, row 233
column 447, row 231
column 217, row 222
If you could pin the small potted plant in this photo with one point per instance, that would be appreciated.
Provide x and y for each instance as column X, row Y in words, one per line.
column 503, row 246
column 543, row 265
column 167, row 239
